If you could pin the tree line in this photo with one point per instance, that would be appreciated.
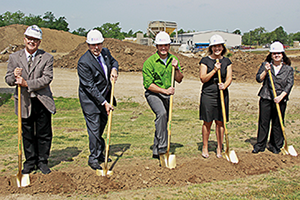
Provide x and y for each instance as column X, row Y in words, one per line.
column 46, row 21
column 258, row 36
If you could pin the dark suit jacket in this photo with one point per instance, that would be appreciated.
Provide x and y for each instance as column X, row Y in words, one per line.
column 94, row 87
column 38, row 79
column 283, row 81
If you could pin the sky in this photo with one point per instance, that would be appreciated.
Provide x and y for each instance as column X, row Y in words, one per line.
column 193, row 15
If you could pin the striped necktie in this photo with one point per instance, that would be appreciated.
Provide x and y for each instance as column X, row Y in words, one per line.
column 29, row 62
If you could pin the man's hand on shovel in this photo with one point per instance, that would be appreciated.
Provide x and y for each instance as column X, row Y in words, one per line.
column 175, row 63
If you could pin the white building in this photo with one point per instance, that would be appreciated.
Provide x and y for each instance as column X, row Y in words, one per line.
column 203, row 37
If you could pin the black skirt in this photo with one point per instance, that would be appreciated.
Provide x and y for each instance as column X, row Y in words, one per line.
column 210, row 107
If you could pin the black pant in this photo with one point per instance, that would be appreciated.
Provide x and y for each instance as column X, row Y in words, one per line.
column 37, row 135
column 268, row 113
column 95, row 126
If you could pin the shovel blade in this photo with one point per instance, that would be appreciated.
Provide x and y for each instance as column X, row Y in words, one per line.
column 104, row 172
column 292, row 151
column 231, row 156
column 168, row 161
column 20, row 181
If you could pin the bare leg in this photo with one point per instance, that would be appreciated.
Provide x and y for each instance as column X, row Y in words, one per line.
column 205, row 135
column 220, row 136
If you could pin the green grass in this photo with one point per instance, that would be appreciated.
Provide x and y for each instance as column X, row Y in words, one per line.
column 133, row 129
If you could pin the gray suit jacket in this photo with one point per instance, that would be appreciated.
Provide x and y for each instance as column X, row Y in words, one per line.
column 94, row 87
column 283, row 81
column 38, row 79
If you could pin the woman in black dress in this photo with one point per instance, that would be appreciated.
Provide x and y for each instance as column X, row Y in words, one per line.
column 210, row 104
column 283, row 77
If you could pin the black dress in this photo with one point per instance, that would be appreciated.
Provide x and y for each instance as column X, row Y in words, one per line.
column 210, row 103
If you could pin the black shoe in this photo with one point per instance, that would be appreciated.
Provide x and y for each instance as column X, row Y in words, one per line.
column 155, row 156
column 44, row 168
column 276, row 151
column 95, row 165
column 102, row 159
column 256, row 151
column 27, row 170
column 273, row 150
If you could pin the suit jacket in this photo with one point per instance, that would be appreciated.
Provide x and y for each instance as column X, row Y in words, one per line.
column 283, row 81
column 38, row 79
column 94, row 86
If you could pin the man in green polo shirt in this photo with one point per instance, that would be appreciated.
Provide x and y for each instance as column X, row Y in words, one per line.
column 157, row 72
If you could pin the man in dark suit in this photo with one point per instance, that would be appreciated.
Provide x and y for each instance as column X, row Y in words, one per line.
column 32, row 69
column 95, row 69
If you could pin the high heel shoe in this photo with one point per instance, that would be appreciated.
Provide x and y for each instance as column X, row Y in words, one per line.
column 219, row 155
column 205, row 155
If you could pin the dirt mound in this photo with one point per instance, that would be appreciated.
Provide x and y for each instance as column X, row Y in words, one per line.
column 131, row 57
column 245, row 66
column 135, row 175
column 59, row 41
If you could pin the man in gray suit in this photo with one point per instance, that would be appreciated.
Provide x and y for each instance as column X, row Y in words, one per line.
column 32, row 69
column 95, row 69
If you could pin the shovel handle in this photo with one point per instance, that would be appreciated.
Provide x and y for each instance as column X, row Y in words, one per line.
column 223, row 111
column 170, row 111
column 19, row 131
column 278, row 110
column 109, row 124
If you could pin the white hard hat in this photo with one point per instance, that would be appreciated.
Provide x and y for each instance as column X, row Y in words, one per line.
column 162, row 38
column 276, row 47
column 94, row 37
column 34, row 31
column 216, row 39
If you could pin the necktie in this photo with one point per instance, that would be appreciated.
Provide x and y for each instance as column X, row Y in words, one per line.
column 29, row 62
column 99, row 60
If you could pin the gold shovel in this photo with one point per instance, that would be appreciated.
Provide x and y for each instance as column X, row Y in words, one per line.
column 168, row 160
column 286, row 149
column 105, row 170
column 230, row 156
column 20, row 180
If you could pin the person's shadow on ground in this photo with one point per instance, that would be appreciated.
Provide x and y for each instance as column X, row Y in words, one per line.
column 117, row 150
column 251, row 140
column 212, row 146
column 173, row 147
column 67, row 154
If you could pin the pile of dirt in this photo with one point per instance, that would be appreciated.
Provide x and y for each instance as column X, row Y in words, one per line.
column 130, row 56
column 53, row 40
column 136, row 175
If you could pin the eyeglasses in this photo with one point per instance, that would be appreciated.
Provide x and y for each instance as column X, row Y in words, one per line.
column 35, row 40
column 276, row 53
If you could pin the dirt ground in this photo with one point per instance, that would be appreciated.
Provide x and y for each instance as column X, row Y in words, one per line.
column 131, row 174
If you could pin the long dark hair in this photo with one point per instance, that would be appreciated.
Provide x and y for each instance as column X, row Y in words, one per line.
column 211, row 52
column 285, row 59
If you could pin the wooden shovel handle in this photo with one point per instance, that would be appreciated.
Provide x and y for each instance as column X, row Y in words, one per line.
column 19, row 131
column 109, row 123
column 278, row 109
column 170, row 111
column 223, row 111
